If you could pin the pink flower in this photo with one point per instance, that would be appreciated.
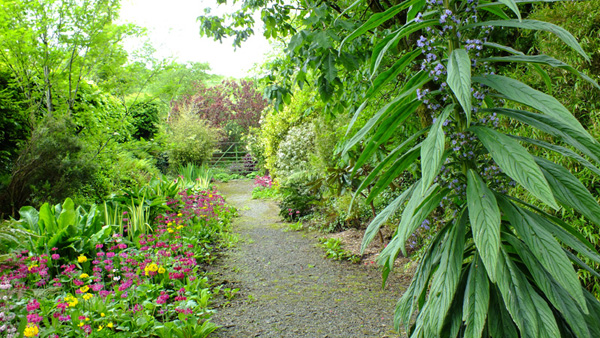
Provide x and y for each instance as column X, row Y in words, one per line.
column 55, row 256
column 33, row 305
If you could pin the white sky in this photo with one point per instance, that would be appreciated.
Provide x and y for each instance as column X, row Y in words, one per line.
column 174, row 32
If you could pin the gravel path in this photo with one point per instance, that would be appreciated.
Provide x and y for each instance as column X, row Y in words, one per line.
column 288, row 289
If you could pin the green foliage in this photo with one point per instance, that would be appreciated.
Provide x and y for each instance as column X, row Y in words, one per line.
column 145, row 117
column 293, row 153
column 192, row 141
column 334, row 249
column 265, row 192
column 297, row 197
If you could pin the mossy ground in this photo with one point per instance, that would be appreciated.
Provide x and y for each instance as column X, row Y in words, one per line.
column 287, row 287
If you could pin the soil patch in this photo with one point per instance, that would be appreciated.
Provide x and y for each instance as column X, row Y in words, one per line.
column 287, row 287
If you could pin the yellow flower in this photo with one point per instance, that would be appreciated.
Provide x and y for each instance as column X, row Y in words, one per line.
column 72, row 301
column 100, row 327
column 179, row 214
column 87, row 296
column 161, row 270
column 209, row 196
column 32, row 266
column 169, row 224
column 82, row 258
column 31, row 330
column 170, row 230
column 179, row 227
column 84, row 289
column 110, row 325
column 84, row 275
column 102, row 314
column 80, row 324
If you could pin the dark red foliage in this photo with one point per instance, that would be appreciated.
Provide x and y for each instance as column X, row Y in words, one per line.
column 239, row 102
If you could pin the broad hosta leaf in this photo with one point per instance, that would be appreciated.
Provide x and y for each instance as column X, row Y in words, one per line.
column 31, row 216
column 543, row 60
column 545, row 248
column 377, row 19
column 582, row 141
column 569, row 191
column 484, row 216
column 418, row 286
column 432, row 150
column 445, row 280
column 476, row 300
column 382, row 217
column 516, row 162
column 47, row 220
column 561, row 150
column 459, row 79
column 535, row 25
column 519, row 92
column 557, row 295
column 67, row 216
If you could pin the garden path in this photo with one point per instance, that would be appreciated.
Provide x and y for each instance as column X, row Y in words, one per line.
column 287, row 287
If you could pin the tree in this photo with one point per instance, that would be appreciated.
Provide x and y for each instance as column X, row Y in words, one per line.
column 498, row 266
column 51, row 46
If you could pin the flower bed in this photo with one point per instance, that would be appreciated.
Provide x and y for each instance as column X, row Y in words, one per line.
column 148, row 285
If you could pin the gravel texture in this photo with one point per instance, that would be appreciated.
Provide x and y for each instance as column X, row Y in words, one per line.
column 287, row 287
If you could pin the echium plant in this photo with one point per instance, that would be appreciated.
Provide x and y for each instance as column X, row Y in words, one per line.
column 499, row 266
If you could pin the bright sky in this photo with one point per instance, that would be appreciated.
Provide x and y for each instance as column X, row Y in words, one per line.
column 174, row 32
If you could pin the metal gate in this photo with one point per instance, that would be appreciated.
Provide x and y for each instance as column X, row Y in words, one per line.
column 229, row 155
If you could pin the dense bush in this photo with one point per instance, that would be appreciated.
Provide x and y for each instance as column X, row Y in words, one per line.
column 145, row 116
column 298, row 199
column 192, row 140
column 293, row 153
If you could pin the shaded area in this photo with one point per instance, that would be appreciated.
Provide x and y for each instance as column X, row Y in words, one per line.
column 288, row 289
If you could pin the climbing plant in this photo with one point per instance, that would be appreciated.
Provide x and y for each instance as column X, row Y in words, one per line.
column 497, row 267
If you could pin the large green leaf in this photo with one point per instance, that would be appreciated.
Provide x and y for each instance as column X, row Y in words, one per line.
column 545, row 248
column 399, row 166
column 548, row 325
column 459, row 79
column 385, row 130
column 569, row 191
column 382, row 217
column 328, row 67
column 67, row 216
column 418, row 287
column 555, row 293
column 543, row 60
column 516, row 293
column 563, row 231
column 445, row 280
column 417, row 209
column 47, row 220
column 500, row 324
column 392, row 156
column 519, row 92
column 377, row 19
column 382, row 47
column 407, row 91
column 31, row 217
column 432, row 150
column 484, row 216
column 582, row 141
column 513, row 7
column 562, row 151
column 593, row 318
column 476, row 300
column 391, row 74
column 516, row 162
column 535, row 25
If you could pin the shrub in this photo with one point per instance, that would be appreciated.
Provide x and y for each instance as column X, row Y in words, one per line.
column 294, row 151
column 145, row 119
column 297, row 197
column 192, row 141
